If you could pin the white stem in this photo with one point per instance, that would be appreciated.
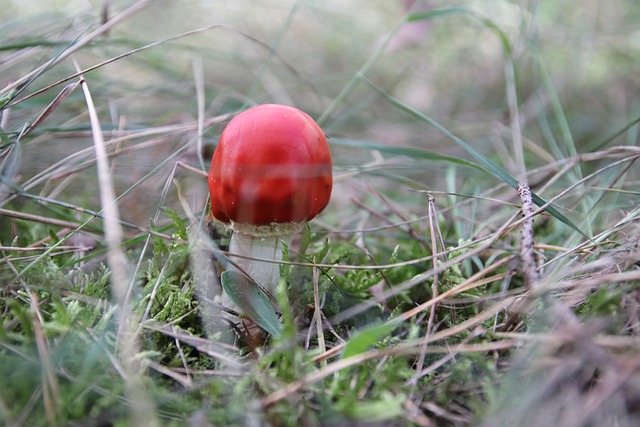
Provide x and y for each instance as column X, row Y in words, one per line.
column 265, row 274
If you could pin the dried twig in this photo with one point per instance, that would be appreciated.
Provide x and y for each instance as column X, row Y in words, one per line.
column 529, row 267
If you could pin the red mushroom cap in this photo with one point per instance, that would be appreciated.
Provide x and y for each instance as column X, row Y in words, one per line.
column 272, row 165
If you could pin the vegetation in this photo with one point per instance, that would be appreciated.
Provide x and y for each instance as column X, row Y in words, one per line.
column 477, row 265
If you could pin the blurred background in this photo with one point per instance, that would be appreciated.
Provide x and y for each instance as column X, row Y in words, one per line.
column 571, row 65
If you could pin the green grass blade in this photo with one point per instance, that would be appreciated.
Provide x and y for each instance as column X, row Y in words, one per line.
column 492, row 167
column 615, row 135
column 412, row 152
column 421, row 16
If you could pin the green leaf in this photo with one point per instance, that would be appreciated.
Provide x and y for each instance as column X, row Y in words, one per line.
column 365, row 339
column 248, row 296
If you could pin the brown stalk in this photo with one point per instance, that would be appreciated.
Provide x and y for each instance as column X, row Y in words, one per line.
column 527, row 256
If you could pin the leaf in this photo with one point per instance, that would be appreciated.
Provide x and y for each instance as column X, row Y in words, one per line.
column 248, row 296
column 367, row 338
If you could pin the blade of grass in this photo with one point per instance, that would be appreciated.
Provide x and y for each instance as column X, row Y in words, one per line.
column 615, row 135
column 198, row 79
column 142, row 412
column 487, row 163
column 361, row 74
column 273, row 47
column 560, row 117
column 64, row 93
column 412, row 152
column 434, row 13
column 29, row 78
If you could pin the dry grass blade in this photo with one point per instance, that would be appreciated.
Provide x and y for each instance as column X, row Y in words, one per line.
column 135, row 8
column 142, row 409
column 184, row 380
column 422, row 372
column 473, row 282
column 59, row 99
column 615, row 342
column 200, row 99
column 593, row 281
column 433, row 230
column 217, row 350
column 317, row 311
column 39, row 218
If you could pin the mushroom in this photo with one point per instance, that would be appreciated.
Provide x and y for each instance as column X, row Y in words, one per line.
column 270, row 174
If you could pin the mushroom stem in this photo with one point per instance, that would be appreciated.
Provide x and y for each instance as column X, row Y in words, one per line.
column 265, row 274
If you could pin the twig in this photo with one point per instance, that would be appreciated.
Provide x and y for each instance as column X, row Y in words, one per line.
column 529, row 267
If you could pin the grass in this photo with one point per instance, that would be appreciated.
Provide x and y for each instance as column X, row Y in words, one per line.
column 477, row 265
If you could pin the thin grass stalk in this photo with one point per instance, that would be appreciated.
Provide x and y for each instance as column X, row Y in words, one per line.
column 514, row 112
column 434, row 230
column 318, row 311
column 142, row 411
column 434, row 289
column 198, row 79
column 122, row 16
column 59, row 99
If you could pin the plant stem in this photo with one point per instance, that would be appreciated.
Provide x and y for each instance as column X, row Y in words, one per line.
column 253, row 249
